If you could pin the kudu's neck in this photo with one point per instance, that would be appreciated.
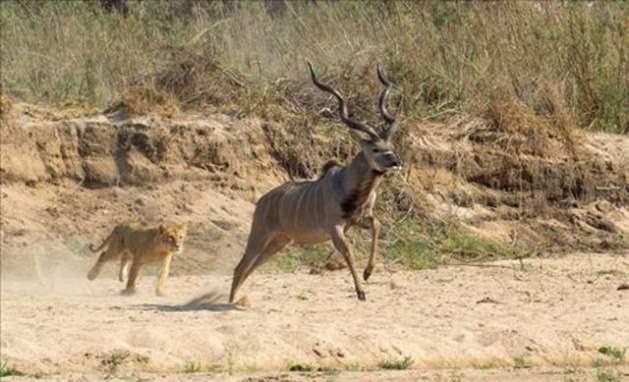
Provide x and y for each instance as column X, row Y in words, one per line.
column 359, row 181
column 359, row 173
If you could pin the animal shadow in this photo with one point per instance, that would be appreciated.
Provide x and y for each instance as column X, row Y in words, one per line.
column 207, row 302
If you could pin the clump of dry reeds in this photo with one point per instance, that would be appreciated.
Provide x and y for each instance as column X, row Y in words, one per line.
column 445, row 56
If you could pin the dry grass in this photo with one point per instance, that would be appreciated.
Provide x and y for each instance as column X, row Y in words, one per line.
column 5, row 106
column 446, row 57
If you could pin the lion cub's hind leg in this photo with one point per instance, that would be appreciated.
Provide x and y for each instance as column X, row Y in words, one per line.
column 109, row 254
column 95, row 270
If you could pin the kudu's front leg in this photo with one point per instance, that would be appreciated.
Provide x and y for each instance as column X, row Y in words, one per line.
column 375, row 232
column 341, row 244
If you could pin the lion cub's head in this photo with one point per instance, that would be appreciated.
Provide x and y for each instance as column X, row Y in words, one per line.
column 173, row 236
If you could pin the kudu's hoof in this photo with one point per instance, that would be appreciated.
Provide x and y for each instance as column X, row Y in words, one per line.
column 367, row 274
column 361, row 295
column 244, row 301
column 127, row 292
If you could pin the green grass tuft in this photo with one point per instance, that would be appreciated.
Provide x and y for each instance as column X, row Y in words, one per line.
column 614, row 352
column 192, row 367
column 7, row 371
column 415, row 247
column 520, row 363
column 308, row 256
column 399, row 364
column 464, row 245
column 607, row 376
column 301, row 368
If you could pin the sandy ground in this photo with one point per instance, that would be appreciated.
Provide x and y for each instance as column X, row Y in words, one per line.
column 616, row 373
column 547, row 318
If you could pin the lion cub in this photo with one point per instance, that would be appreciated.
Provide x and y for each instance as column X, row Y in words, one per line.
column 140, row 245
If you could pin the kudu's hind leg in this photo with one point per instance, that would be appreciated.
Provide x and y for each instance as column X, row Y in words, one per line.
column 255, row 244
column 375, row 232
column 341, row 244
column 273, row 247
column 258, row 251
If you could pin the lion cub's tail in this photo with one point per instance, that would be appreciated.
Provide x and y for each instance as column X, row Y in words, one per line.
column 105, row 242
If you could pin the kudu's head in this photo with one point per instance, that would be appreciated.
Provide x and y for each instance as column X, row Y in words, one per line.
column 376, row 143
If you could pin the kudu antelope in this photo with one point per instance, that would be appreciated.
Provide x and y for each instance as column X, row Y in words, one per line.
column 311, row 212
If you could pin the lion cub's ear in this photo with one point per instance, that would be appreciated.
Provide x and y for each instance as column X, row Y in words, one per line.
column 162, row 229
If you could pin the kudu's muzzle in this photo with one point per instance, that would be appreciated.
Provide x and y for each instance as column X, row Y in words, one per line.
column 393, row 162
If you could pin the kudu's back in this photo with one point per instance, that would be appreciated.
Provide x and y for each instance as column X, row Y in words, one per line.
column 301, row 210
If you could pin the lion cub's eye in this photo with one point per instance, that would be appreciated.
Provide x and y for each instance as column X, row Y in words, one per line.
column 171, row 239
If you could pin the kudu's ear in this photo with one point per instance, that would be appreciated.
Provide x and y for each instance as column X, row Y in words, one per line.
column 390, row 130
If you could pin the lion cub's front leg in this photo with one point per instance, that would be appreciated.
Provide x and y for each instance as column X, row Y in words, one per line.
column 163, row 275
column 124, row 261
column 133, row 277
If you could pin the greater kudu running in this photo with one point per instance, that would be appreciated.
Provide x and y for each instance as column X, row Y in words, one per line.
column 315, row 211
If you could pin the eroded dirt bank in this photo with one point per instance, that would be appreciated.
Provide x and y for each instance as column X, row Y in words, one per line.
column 68, row 176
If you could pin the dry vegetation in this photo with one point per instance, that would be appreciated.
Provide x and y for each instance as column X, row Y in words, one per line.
column 552, row 61
column 514, row 82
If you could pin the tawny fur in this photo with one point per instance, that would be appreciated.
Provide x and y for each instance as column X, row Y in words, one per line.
column 140, row 245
